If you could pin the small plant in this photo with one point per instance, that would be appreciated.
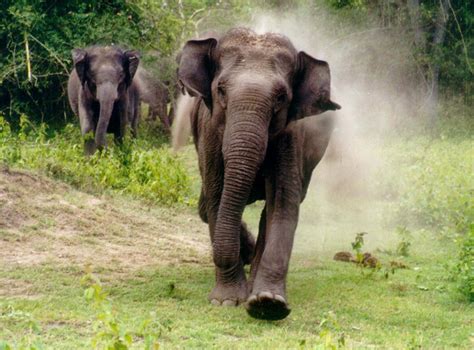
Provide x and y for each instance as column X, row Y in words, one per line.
column 109, row 332
column 403, row 246
column 464, row 269
column 137, row 167
column 330, row 333
column 357, row 247
column 30, row 340
column 5, row 346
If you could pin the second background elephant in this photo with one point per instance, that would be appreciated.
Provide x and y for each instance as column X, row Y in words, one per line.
column 156, row 95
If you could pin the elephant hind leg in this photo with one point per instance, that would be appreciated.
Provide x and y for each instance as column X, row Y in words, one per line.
column 151, row 113
column 247, row 242
column 247, row 245
column 134, row 126
column 164, row 117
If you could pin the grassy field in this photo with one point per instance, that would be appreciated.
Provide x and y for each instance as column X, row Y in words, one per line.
column 84, row 266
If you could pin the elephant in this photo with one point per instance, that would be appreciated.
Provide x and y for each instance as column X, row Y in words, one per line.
column 248, row 95
column 103, row 94
column 156, row 94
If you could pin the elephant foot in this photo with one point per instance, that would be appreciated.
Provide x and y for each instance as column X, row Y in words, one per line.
column 89, row 147
column 229, row 294
column 267, row 306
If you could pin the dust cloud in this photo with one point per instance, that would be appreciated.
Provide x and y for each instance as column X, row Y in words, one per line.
column 374, row 80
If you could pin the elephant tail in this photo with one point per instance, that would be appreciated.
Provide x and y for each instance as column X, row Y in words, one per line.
column 181, row 128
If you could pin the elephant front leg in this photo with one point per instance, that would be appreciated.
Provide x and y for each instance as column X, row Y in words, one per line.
column 231, row 287
column 124, row 114
column 87, row 129
column 267, row 299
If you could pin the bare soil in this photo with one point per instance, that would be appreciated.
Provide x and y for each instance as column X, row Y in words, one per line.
column 45, row 221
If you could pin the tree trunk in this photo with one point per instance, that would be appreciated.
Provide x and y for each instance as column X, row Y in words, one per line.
column 438, row 40
column 414, row 12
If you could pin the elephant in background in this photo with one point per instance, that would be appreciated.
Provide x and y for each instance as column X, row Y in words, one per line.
column 103, row 94
column 248, row 94
column 156, row 95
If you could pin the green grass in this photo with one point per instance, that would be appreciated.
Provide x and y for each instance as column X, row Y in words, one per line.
column 144, row 168
column 415, row 307
column 421, row 196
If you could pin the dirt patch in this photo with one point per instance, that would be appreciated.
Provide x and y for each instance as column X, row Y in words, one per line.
column 17, row 288
column 44, row 221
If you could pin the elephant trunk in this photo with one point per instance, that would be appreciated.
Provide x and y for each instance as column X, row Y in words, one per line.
column 244, row 147
column 106, row 95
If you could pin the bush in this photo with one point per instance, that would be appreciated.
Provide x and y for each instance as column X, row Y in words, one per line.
column 137, row 167
column 432, row 179
column 464, row 272
column 36, row 38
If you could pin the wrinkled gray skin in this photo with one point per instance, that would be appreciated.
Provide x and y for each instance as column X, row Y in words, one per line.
column 156, row 95
column 102, row 93
column 251, row 92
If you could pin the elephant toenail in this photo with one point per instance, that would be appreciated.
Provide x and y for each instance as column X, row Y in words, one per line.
column 215, row 302
column 229, row 303
column 265, row 295
column 251, row 299
column 280, row 299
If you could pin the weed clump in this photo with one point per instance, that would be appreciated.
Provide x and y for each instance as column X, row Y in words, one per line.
column 109, row 331
column 433, row 185
column 464, row 269
column 137, row 167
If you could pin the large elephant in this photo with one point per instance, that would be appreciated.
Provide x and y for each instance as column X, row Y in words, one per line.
column 103, row 94
column 156, row 94
column 249, row 92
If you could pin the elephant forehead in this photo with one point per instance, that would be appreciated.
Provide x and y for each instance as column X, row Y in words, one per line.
column 248, row 49
column 244, row 39
column 256, row 60
column 107, row 71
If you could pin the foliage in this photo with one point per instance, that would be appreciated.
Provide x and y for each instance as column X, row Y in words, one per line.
column 464, row 271
column 403, row 247
column 330, row 333
column 36, row 38
column 357, row 246
column 137, row 168
column 418, row 21
column 431, row 182
column 109, row 332
column 30, row 341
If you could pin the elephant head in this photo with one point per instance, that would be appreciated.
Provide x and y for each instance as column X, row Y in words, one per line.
column 255, row 85
column 105, row 74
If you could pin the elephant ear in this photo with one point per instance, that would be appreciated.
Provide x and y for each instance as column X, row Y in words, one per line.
column 196, row 68
column 131, row 61
column 311, row 88
column 81, row 61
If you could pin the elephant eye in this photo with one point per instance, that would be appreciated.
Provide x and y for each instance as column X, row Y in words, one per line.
column 280, row 101
column 121, row 87
column 221, row 91
column 92, row 86
column 221, row 95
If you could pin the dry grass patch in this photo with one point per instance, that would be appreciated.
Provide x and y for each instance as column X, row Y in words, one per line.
column 44, row 221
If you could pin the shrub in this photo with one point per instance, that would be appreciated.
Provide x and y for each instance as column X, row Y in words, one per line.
column 136, row 168
column 37, row 36
column 464, row 272
column 432, row 182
